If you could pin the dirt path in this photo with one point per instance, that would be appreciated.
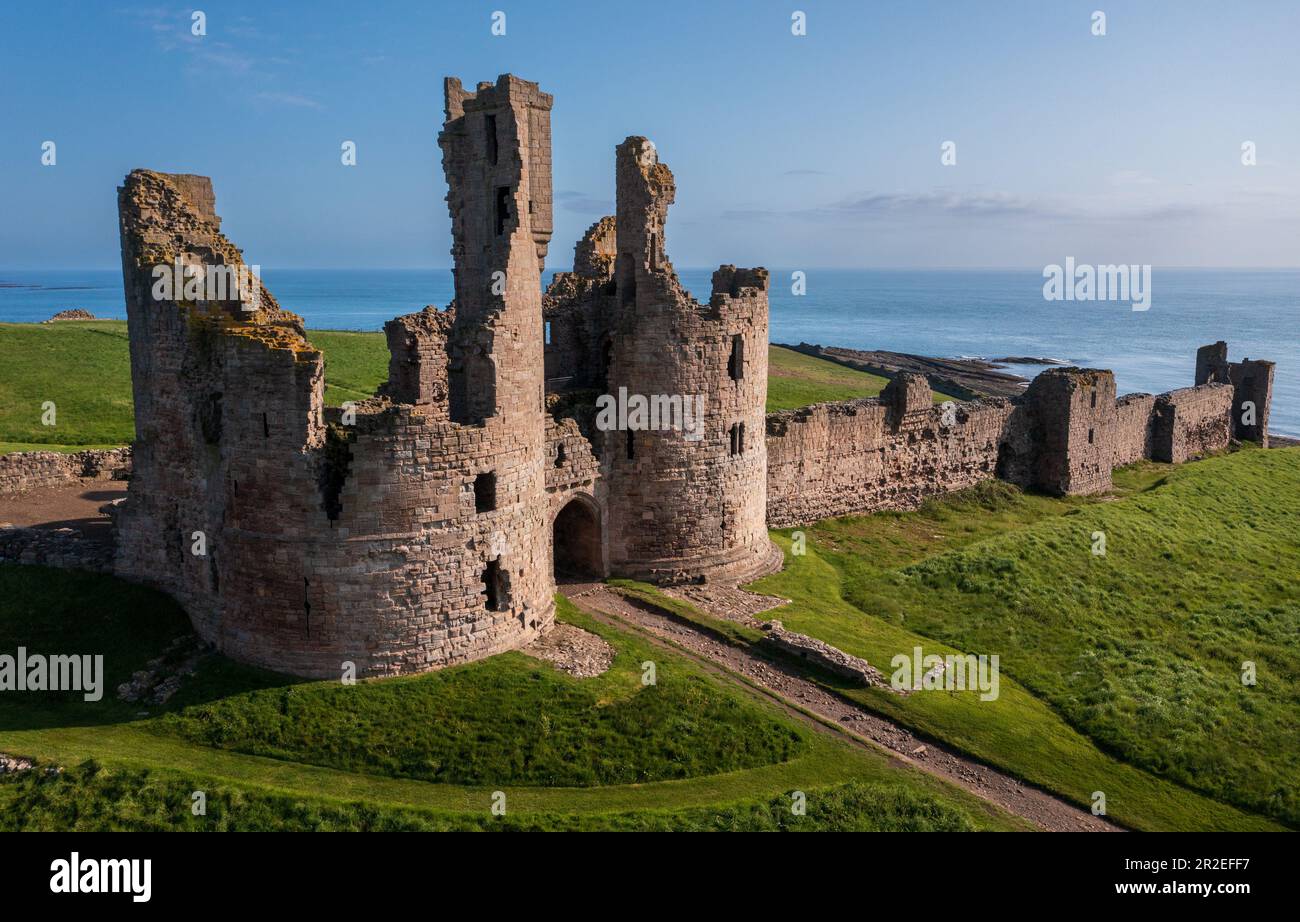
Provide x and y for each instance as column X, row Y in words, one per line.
column 71, row 505
column 784, row 682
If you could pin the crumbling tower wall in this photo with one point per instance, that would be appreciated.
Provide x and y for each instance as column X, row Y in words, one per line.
column 227, row 414
column 579, row 309
column 683, row 505
column 1072, row 411
column 405, row 532
column 1252, row 386
column 497, row 157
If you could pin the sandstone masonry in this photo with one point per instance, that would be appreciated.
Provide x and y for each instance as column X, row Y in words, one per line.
column 424, row 526
column 1064, row 436
column 35, row 470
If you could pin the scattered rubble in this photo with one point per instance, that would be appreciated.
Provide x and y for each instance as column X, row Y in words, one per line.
column 10, row 765
column 162, row 676
column 822, row 654
column 72, row 313
column 66, row 548
column 570, row 649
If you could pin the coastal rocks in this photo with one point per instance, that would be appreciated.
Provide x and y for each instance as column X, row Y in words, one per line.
column 822, row 654
column 570, row 649
column 73, row 313
column 965, row 379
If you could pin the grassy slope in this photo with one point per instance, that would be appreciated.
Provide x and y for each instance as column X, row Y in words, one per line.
column 85, row 369
column 508, row 721
column 1141, row 649
column 92, row 797
column 355, row 363
column 354, row 757
column 797, row 380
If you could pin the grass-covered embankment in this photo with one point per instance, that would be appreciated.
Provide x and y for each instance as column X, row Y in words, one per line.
column 1126, row 668
column 425, row 752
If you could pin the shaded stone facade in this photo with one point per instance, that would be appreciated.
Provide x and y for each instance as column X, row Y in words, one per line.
column 423, row 526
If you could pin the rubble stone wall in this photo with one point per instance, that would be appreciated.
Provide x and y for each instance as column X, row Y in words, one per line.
column 1064, row 436
column 21, row 471
column 836, row 459
column 1191, row 422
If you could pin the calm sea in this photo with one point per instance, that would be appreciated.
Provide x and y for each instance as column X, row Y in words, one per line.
column 989, row 313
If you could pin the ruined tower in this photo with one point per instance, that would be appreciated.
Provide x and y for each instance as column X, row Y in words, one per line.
column 400, row 533
column 1252, row 389
column 683, row 505
column 1072, row 412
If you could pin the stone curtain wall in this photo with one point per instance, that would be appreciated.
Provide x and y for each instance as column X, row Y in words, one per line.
column 842, row 458
column 1064, row 436
column 1190, row 422
column 34, row 470
column 1133, row 437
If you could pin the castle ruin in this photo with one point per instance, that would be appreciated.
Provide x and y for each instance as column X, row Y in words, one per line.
column 425, row 526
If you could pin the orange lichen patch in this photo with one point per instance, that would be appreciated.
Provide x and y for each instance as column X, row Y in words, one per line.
column 275, row 337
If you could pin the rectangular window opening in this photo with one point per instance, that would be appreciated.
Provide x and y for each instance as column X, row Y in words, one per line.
column 737, row 438
column 485, row 492
column 490, row 127
column 736, row 364
column 502, row 208
column 492, row 587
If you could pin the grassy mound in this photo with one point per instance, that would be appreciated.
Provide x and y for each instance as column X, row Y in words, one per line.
column 91, row 797
column 428, row 752
column 510, row 719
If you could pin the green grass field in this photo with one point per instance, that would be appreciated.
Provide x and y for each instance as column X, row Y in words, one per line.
column 425, row 752
column 796, row 380
column 1120, row 673
column 84, row 368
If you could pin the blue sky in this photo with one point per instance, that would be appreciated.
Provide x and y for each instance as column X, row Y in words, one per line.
column 815, row 150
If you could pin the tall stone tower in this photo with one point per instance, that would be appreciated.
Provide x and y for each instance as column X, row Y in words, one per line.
column 683, row 505
column 407, row 533
column 496, row 153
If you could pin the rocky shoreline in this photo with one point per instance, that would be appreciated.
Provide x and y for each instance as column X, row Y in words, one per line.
column 966, row 379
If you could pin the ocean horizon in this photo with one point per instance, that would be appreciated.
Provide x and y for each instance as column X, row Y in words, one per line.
column 970, row 313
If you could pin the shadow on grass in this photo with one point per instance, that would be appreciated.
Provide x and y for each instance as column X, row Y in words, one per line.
column 72, row 613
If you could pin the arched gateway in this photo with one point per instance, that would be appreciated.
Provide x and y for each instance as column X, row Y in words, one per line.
column 576, row 541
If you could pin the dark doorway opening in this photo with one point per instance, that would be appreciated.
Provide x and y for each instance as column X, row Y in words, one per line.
column 576, row 542
column 1008, row 466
